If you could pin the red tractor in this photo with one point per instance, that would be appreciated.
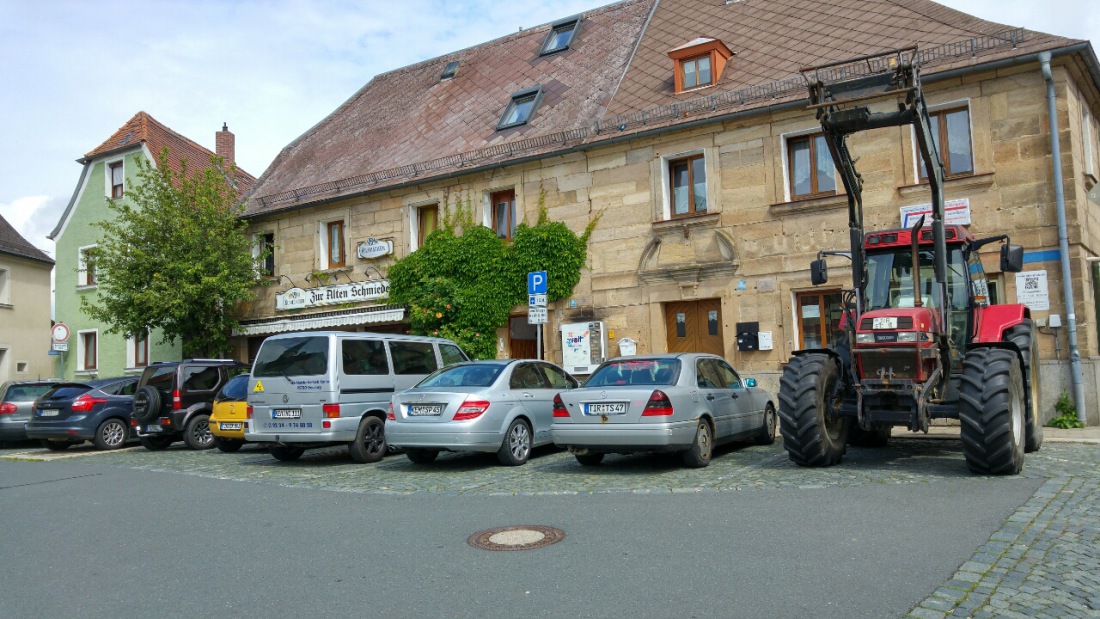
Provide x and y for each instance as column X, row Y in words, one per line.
column 920, row 339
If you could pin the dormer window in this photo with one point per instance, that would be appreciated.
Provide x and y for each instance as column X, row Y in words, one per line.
column 699, row 63
column 449, row 71
column 561, row 35
column 520, row 108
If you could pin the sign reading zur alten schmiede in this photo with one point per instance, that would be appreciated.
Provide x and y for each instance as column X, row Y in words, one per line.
column 298, row 298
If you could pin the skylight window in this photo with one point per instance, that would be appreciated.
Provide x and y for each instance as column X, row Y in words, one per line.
column 561, row 35
column 520, row 108
column 450, row 71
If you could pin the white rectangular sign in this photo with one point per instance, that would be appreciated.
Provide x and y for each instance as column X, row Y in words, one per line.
column 954, row 212
column 1032, row 291
column 61, row 346
column 536, row 315
column 536, row 300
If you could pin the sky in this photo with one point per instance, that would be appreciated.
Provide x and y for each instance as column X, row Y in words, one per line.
column 74, row 71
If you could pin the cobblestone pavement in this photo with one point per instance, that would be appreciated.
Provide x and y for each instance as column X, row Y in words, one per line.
column 1044, row 562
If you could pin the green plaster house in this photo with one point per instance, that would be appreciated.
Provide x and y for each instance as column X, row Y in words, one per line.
column 107, row 174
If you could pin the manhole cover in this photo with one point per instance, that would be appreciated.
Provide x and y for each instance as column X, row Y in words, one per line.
column 522, row 537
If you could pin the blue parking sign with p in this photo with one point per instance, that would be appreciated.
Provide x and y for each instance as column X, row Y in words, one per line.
column 536, row 282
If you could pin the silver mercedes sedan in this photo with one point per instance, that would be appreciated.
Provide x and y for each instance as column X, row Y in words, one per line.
column 684, row 402
column 503, row 406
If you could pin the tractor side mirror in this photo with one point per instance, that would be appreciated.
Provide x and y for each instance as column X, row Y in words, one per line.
column 819, row 272
column 1012, row 258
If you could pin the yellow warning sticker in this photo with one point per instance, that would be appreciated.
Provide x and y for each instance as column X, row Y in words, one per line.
column 259, row 387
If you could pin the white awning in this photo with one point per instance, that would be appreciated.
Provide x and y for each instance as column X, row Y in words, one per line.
column 327, row 320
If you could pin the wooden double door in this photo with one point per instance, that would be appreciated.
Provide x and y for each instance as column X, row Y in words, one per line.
column 694, row 326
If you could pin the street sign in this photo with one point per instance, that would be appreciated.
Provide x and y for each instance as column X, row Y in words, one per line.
column 536, row 315
column 536, row 282
column 536, row 300
column 60, row 332
column 61, row 346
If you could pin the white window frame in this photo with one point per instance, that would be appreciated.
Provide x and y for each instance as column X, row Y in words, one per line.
column 710, row 162
column 108, row 181
column 965, row 102
column 82, row 269
column 5, row 285
column 257, row 249
column 784, row 160
column 414, row 221
column 322, row 234
column 80, row 368
column 131, row 353
column 1086, row 140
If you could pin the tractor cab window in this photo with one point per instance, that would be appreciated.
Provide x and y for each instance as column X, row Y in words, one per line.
column 979, row 285
column 890, row 284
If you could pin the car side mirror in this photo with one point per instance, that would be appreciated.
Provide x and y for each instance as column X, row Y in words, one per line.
column 1012, row 258
column 750, row 382
column 819, row 272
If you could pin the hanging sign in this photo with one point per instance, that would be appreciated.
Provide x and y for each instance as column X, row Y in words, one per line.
column 374, row 248
column 356, row 292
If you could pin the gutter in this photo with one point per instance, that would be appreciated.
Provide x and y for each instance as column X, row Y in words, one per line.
column 1063, row 239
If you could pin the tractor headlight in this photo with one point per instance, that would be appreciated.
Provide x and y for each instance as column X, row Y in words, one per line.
column 907, row 336
column 865, row 338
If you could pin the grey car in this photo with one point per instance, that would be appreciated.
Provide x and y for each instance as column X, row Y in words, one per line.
column 685, row 402
column 16, row 401
column 502, row 406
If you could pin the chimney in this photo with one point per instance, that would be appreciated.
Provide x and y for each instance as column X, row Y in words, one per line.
column 225, row 145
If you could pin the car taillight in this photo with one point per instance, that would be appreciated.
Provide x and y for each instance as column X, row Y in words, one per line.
column 7, row 408
column 559, row 408
column 85, row 403
column 470, row 409
column 658, row 406
column 248, row 411
column 331, row 411
column 389, row 414
column 177, row 403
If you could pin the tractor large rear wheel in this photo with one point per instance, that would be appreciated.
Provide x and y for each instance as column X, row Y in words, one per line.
column 992, row 411
column 1023, row 335
column 814, row 434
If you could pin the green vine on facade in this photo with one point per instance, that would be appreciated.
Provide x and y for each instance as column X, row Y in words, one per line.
column 464, row 281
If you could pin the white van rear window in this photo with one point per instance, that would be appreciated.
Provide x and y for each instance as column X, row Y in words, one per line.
column 292, row 356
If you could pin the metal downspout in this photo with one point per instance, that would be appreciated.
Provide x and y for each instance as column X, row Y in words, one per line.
column 1063, row 240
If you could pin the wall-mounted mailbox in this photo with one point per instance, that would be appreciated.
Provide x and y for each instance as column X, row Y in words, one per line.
column 748, row 336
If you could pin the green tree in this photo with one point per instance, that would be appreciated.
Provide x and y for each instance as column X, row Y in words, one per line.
column 175, row 258
column 464, row 281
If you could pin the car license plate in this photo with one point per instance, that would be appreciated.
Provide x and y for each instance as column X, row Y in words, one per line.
column 890, row 322
column 153, row 428
column 286, row 413
column 230, row 425
column 605, row 408
column 425, row 410
column 48, row 412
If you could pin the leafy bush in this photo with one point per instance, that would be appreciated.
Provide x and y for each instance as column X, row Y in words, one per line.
column 1067, row 413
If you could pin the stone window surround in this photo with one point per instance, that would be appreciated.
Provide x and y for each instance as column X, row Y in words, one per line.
column 257, row 249
column 964, row 102
column 343, row 216
column 412, row 216
column 662, row 182
column 784, row 160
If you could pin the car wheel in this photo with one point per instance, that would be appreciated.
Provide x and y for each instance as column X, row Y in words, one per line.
column 589, row 459
column 370, row 441
column 111, row 434
column 146, row 403
column 226, row 445
column 56, row 445
column 698, row 455
column 421, row 456
column 155, row 443
column 285, row 453
column 767, row 431
column 197, row 432
column 516, row 447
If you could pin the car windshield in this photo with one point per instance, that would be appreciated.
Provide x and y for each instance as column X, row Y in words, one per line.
column 292, row 356
column 236, row 390
column 635, row 372
column 480, row 375
column 25, row 393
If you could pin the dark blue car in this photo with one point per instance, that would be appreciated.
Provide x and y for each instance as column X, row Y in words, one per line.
column 93, row 410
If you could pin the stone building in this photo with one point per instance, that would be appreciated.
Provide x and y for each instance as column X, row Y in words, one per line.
column 683, row 125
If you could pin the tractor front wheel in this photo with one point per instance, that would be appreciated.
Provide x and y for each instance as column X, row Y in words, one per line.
column 992, row 412
column 814, row 433
column 1023, row 336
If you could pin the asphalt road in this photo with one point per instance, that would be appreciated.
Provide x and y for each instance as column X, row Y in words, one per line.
column 83, row 539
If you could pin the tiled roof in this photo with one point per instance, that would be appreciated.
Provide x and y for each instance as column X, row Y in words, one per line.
column 13, row 243
column 144, row 128
column 407, row 125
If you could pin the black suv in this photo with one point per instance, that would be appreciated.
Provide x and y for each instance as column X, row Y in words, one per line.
column 174, row 399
